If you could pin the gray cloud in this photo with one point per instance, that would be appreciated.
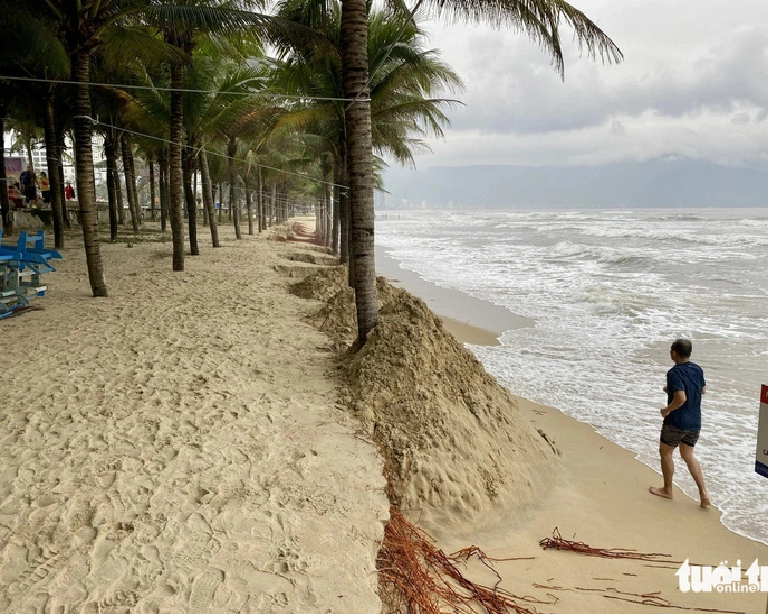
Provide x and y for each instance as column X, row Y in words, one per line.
column 693, row 84
column 518, row 92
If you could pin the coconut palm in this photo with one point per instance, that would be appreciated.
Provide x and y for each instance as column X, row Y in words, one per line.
column 539, row 19
column 406, row 79
column 82, row 27
column 179, row 23
column 224, row 111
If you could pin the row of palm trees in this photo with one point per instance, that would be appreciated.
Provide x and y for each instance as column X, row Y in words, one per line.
column 189, row 86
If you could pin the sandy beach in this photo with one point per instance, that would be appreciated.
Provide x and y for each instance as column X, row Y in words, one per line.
column 176, row 447
column 188, row 445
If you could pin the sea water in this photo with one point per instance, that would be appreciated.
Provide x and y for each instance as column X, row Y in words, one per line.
column 609, row 291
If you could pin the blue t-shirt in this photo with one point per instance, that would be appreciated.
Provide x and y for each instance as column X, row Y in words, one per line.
column 689, row 378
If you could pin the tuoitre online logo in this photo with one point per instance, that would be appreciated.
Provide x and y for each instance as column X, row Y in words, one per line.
column 722, row 579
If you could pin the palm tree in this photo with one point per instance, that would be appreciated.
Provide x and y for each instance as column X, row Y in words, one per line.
column 30, row 48
column 224, row 110
column 406, row 76
column 82, row 27
column 178, row 24
column 540, row 19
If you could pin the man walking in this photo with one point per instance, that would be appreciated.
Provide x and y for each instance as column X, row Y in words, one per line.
column 682, row 419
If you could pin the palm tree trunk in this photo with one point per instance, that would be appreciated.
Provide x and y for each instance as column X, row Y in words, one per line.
column 336, row 223
column 273, row 205
column 53, row 171
column 28, row 145
column 327, row 223
column 177, row 219
column 249, row 207
column 348, row 237
column 221, row 201
column 152, row 188
column 119, row 192
column 354, row 37
column 130, row 181
column 339, row 198
column 237, row 210
column 234, row 200
column 188, row 165
column 118, row 183
column 5, row 203
column 205, row 174
column 260, row 199
column 61, row 148
column 86, row 186
column 202, row 190
column 131, row 160
column 163, row 162
column 112, row 181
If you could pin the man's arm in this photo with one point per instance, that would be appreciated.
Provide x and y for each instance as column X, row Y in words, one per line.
column 678, row 400
column 703, row 390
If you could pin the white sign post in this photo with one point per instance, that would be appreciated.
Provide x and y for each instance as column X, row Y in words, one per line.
column 761, row 460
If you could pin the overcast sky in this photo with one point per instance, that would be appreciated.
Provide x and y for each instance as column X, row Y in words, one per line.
column 694, row 83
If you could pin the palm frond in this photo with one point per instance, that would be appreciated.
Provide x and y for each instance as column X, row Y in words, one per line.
column 539, row 19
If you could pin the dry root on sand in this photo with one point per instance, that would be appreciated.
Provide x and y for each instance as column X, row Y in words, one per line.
column 557, row 542
column 416, row 577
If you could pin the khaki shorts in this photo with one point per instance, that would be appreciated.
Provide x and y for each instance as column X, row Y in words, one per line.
column 673, row 436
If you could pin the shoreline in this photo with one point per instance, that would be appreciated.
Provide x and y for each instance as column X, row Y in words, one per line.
column 485, row 336
column 471, row 320
column 603, row 501
column 601, row 483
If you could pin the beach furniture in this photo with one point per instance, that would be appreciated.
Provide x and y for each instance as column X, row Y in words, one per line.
column 21, row 269
column 11, row 295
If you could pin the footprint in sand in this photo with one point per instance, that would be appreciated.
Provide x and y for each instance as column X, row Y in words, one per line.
column 204, row 586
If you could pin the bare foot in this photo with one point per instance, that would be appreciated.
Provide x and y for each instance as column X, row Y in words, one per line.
column 705, row 502
column 659, row 492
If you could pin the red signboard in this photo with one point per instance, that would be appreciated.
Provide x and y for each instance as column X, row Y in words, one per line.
column 764, row 394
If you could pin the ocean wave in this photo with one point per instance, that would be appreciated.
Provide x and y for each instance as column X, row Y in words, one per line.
column 753, row 223
column 685, row 236
column 570, row 250
column 606, row 293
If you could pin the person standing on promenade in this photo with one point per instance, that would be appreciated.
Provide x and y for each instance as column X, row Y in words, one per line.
column 45, row 187
column 29, row 182
column 682, row 419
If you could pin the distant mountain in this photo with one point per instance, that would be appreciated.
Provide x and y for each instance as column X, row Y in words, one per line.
column 662, row 182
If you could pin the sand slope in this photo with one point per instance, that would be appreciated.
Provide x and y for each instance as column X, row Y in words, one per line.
column 176, row 447
column 454, row 443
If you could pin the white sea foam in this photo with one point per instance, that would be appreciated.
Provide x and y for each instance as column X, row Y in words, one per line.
column 608, row 292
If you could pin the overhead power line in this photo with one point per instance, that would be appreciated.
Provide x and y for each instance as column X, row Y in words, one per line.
column 96, row 122
column 273, row 95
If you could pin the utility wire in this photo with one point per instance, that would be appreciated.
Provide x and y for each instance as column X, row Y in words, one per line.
column 190, row 91
column 96, row 122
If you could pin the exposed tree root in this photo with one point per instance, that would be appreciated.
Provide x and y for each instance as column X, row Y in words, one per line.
column 557, row 542
column 416, row 577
